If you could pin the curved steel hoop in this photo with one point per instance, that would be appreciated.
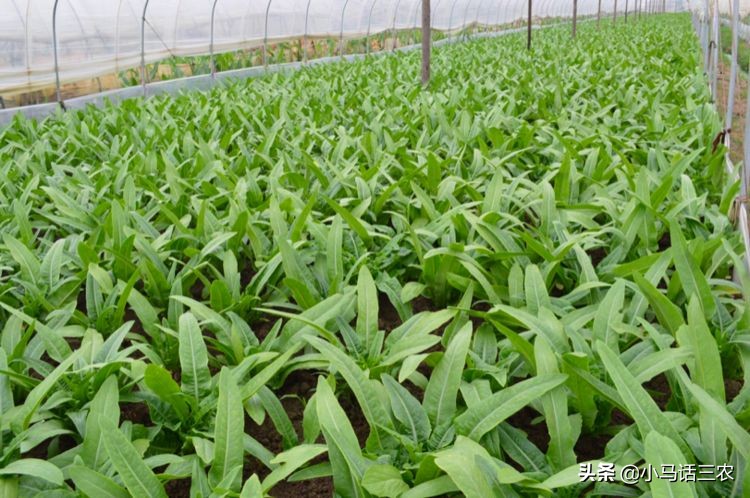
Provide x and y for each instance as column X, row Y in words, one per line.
column 265, row 35
column 212, row 62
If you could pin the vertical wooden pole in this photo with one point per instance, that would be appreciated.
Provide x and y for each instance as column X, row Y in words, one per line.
column 598, row 14
column 575, row 16
column 528, row 29
column 614, row 16
column 426, row 41
column 626, row 10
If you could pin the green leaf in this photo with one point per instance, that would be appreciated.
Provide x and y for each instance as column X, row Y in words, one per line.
column 705, row 371
column 161, row 383
column 367, row 310
column 536, row 291
column 252, row 488
column 661, row 450
column 30, row 266
column 460, row 463
column 265, row 375
column 363, row 388
column 490, row 412
column 104, row 405
column 354, row 223
column 35, row 468
column 608, row 316
column 442, row 389
column 639, row 404
column 289, row 461
column 384, row 481
column 668, row 314
column 228, row 431
column 93, row 483
column 693, row 280
column 135, row 474
column 37, row 395
column 734, row 431
column 555, row 409
column 348, row 464
column 196, row 378
column 435, row 487
column 407, row 410
column 706, row 368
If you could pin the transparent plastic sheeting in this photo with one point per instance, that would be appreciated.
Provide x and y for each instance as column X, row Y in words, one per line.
column 724, row 6
column 99, row 37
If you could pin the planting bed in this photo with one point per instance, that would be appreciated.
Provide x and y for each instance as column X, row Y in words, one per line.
column 333, row 281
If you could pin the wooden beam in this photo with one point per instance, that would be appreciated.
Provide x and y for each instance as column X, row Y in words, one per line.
column 426, row 41
column 528, row 28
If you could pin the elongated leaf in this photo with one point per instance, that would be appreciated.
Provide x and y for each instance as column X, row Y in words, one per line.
column 196, row 378
column 490, row 412
column 262, row 378
column 536, row 291
column 668, row 314
column 362, row 387
column 440, row 396
column 407, row 410
column 608, row 315
column 734, row 431
column 384, row 481
column 34, row 467
column 93, row 483
column 36, row 396
column 555, row 409
column 104, row 405
column 639, row 404
column 460, row 463
column 349, row 469
column 135, row 474
column 291, row 460
column 691, row 276
column 661, row 450
column 367, row 309
column 228, row 431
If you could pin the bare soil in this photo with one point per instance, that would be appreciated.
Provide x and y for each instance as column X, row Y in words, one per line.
column 738, row 115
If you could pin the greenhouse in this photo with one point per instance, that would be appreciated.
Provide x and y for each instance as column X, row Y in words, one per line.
column 374, row 248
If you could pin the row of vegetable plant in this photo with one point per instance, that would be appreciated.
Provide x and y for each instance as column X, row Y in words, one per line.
column 333, row 281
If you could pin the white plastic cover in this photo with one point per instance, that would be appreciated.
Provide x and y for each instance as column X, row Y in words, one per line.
column 99, row 37
column 725, row 6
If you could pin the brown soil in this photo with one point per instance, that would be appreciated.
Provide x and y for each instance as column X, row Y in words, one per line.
column 537, row 433
column 740, row 105
column 178, row 488
column 135, row 412
column 597, row 255
column 388, row 318
column 665, row 242
column 659, row 390
column 262, row 327
column 298, row 386
column 732, row 388
column 591, row 446
column 421, row 303
column 51, row 447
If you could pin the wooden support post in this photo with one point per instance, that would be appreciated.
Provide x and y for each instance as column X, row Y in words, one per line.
column 575, row 16
column 598, row 14
column 426, row 41
column 528, row 28
column 614, row 16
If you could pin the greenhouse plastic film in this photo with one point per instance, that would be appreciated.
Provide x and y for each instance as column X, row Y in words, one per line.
column 96, row 38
